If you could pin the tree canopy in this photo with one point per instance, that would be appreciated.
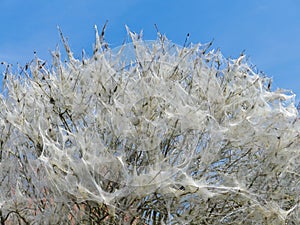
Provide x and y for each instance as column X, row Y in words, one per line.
column 149, row 133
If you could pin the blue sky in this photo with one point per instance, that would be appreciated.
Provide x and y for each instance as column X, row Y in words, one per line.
column 268, row 30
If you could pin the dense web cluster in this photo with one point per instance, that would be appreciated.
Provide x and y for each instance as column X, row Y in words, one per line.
column 148, row 133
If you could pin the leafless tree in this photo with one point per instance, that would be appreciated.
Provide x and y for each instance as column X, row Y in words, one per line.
column 149, row 133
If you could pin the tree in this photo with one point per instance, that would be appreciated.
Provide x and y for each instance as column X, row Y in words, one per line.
column 150, row 133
